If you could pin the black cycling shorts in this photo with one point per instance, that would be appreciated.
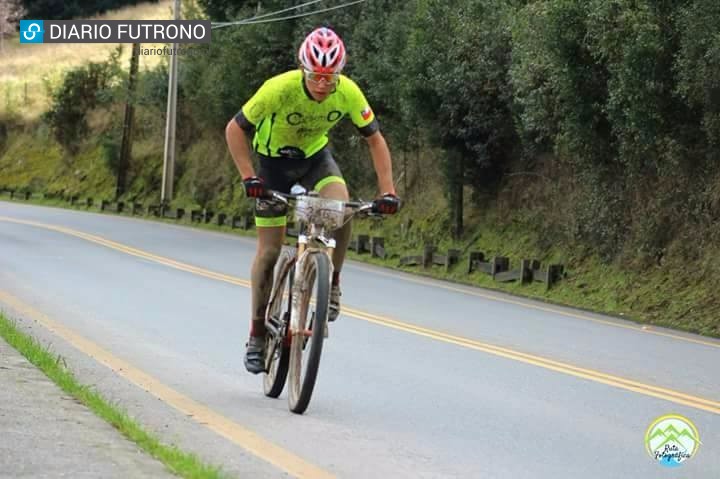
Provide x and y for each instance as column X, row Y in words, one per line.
column 281, row 174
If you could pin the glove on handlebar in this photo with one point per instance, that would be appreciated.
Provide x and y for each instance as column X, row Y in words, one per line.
column 387, row 204
column 255, row 187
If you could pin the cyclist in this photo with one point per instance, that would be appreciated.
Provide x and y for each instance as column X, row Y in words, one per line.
column 288, row 120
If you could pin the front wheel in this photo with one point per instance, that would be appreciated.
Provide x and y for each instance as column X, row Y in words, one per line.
column 307, row 341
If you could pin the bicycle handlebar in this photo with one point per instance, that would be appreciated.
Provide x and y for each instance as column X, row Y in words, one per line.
column 364, row 207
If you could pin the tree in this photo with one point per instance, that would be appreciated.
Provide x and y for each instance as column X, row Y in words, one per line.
column 457, row 63
column 83, row 89
column 10, row 12
column 224, row 10
column 698, row 63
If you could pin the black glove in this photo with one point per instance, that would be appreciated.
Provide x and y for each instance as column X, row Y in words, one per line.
column 255, row 187
column 387, row 204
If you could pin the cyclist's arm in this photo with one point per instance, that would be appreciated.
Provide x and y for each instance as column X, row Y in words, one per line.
column 238, row 145
column 240, row 130
column 364, row 119
column 380, row 154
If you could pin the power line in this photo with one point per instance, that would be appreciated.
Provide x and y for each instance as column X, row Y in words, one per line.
column 310, row 13
column 225, row 24
column 251, row 21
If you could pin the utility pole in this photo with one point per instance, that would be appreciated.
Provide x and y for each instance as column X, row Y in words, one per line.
column 126, row 146
column 169, row 156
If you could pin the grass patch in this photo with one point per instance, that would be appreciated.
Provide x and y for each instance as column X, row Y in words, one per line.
column 674, row 295
column 28, row 70
column 181, row 463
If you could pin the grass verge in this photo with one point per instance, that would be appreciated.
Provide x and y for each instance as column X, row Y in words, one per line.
column 180, row 463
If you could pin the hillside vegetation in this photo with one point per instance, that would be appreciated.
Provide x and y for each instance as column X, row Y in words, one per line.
column 576, row 131
column 28, row 72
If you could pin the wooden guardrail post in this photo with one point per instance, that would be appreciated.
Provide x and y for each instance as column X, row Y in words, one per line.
column 362, row 243
column 499, row 265
column 453, row 257
column 428, row 252
column 549, row 275
column 377, row 247
column 527, row 268
column 475, row 258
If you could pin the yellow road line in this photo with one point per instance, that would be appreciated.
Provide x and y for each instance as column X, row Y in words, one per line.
column 642, row 328
column 662, row 393
column 242, row 282
column 245, row 438
column 616, row 381
column 134, row 252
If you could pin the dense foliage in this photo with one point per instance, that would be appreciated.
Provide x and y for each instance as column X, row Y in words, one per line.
column 65, row 10
column 83, row 89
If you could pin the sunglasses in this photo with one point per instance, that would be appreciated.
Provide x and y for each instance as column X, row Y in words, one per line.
column 329, row 78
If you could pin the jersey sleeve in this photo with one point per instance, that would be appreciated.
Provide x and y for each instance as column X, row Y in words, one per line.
column 360, row 112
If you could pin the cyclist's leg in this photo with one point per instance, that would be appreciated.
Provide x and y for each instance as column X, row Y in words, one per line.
column 270, row 234
column 338, row 191
column 326, row 178
column 270, row 220
column 269, row 243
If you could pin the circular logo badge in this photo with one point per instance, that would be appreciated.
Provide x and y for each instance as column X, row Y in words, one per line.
column 672, row 439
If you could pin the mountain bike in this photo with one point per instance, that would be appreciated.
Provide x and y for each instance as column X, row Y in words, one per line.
column 297, row 312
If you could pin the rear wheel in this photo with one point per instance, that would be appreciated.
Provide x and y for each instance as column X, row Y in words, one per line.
column 307, row 341
column 277, row 319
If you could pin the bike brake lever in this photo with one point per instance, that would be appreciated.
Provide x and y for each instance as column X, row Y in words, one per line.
column 279, row 197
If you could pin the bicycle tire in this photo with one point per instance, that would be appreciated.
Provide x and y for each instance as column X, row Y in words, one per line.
column 277, row 350
column 316, row 272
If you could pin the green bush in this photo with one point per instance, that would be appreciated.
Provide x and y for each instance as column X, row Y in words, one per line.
column 82, row 89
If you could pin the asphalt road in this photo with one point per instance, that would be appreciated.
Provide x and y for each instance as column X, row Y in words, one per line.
column 419, row 378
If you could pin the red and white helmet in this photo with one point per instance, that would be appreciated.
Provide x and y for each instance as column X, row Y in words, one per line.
column 322, row 51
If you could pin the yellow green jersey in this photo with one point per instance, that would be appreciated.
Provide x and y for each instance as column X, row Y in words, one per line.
column 288, row 122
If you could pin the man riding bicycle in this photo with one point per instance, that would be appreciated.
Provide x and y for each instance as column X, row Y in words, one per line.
column 288, row 119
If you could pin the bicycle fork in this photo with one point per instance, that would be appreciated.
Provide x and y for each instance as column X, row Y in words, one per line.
column 303, row 287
